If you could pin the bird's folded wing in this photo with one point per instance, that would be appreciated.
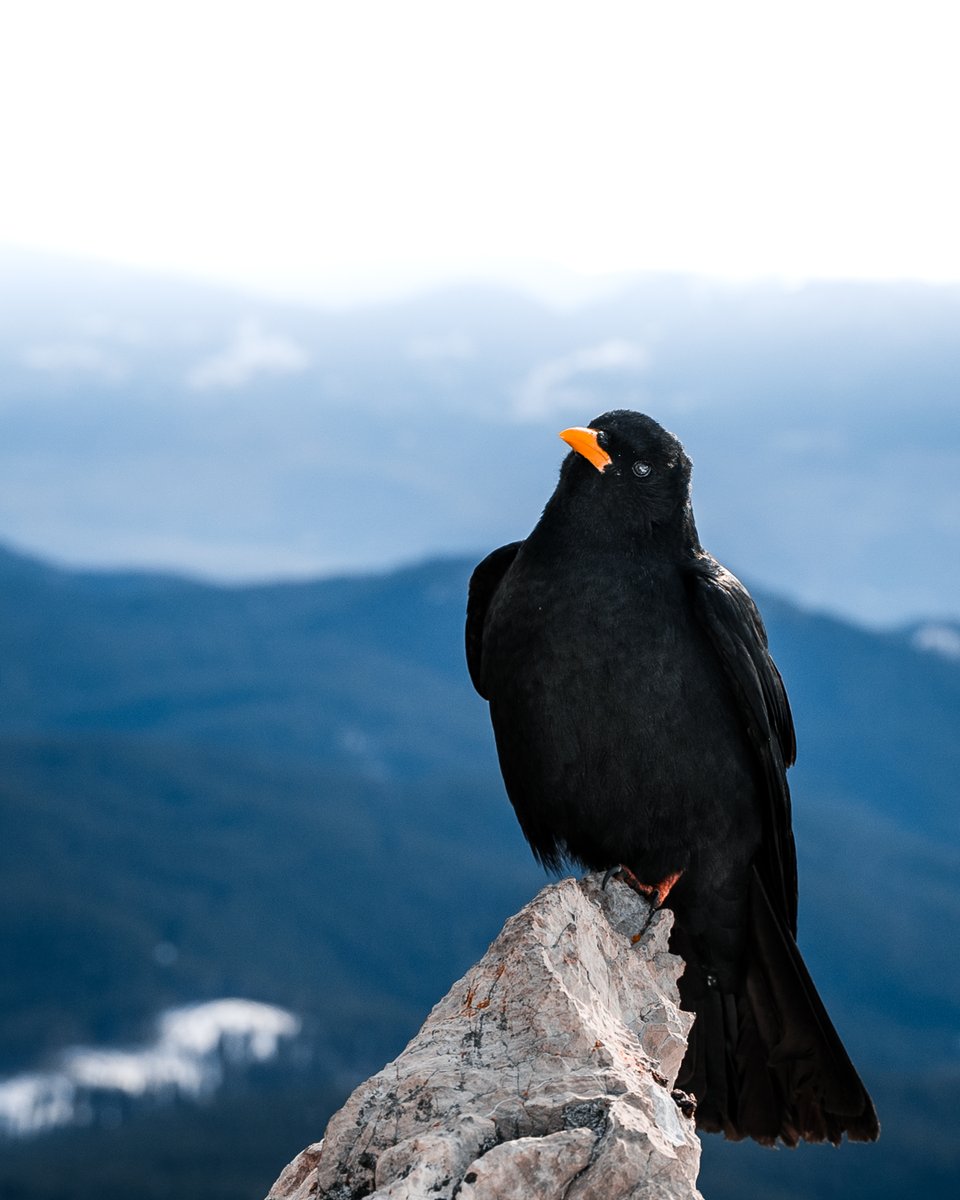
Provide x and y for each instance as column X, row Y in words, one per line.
column 733, row 624
column 483, row 584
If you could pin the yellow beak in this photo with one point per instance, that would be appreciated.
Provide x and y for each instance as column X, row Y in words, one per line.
column 584, row 441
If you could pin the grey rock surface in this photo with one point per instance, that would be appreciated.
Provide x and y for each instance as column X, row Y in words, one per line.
column 545, row 1072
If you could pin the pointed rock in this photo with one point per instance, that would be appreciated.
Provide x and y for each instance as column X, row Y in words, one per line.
column 546, row 1072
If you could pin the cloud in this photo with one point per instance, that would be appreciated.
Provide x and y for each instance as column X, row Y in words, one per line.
column 551, row 385
column 441, row 347
column 71, row 358
column 252, row 352
column 938, row 639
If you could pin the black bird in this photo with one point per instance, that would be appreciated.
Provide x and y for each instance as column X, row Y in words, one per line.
column 640, row 721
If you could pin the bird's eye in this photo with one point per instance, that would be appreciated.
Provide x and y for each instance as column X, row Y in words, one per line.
column 641, row 469
column 602, row 440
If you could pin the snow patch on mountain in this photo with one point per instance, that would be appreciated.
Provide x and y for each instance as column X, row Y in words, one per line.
column 187, row 1058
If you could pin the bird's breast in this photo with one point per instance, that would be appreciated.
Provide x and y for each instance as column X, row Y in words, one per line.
column 613, row 721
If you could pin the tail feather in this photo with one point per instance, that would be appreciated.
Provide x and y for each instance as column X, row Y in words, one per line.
column 766, row 1062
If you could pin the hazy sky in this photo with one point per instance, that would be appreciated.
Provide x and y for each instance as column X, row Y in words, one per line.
column 354, row 146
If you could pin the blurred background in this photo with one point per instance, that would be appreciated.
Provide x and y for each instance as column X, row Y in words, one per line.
column 293, row 300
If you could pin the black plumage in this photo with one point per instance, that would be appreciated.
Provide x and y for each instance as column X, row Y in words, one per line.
column 640, row 720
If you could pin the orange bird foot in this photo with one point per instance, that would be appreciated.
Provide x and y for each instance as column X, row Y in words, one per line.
column 659, row 890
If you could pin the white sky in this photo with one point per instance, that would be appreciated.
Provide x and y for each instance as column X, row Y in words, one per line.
column 350, row 147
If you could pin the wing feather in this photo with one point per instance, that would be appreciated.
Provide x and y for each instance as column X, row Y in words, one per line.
column 483, row 585
column 735, row 628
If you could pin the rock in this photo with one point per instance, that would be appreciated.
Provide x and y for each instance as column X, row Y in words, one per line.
column 545, row 1072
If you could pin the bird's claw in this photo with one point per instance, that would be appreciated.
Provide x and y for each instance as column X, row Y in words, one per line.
column 685, row 1102
column 609, row 875
column 656, row 893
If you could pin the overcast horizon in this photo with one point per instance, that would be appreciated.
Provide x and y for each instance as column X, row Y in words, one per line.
column 159, row 426
column 664, row 179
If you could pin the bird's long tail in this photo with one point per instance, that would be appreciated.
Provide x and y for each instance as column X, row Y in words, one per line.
column 765, row 1062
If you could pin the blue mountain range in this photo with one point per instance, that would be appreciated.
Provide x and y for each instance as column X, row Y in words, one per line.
column 292, row 789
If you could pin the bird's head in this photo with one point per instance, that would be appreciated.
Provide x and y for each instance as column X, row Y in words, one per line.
column 626, row 462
